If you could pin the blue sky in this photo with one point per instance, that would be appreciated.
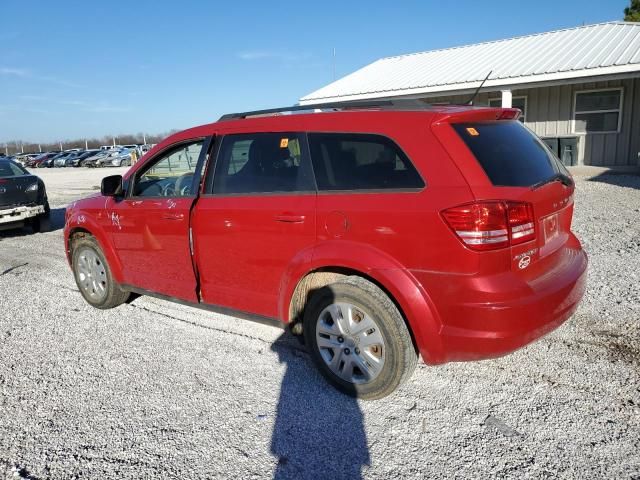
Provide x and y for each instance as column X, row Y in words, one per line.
column 71, row 69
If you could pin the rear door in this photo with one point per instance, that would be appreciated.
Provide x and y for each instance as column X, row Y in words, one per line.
column 369, row 195
column 256, row 218
column 512, row 164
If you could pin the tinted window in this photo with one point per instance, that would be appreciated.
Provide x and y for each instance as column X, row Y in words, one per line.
column 508, row 152
column 261, row 163
column 172, row 174
column 353, row 161
column 9, row 169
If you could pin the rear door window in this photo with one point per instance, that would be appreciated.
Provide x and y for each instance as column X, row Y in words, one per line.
column 354, row 161
column 262, row 163
column 510, row 154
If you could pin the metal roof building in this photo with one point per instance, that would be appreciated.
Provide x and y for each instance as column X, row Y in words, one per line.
column 578, row 88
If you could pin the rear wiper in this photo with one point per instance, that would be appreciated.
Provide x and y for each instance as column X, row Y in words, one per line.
column 558, row 177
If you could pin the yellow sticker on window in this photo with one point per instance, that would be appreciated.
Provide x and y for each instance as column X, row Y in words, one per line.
column 472, row 131
column 284, row 143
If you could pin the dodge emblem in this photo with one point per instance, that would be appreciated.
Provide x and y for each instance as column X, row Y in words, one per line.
column 524, row 262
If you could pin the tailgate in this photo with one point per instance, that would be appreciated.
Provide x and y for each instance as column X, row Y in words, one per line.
column 503, row 160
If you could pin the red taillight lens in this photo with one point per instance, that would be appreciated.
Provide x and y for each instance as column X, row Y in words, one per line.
column 481, row 225
column 491, row 225
column 521, row 222
column 510, row 114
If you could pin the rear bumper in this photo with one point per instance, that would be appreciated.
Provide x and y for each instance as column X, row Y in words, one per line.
column 494, row 324
column 19, row 214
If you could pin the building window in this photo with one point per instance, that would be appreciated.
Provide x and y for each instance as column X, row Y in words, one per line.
column 516, row 102
column 598, row 111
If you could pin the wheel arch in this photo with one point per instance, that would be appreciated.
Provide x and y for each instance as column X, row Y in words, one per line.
column 412, row 301
column 87, row 228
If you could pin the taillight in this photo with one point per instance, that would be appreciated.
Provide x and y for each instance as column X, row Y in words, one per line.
column 521, row 222
column 510, row 114
column 492, row 225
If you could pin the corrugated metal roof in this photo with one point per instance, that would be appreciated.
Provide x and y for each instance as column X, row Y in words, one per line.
column 602, row 49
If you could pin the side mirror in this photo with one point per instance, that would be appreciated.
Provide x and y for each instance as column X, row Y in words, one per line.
column 112, row 186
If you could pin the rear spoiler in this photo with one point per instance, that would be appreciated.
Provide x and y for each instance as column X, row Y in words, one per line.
column 478, row 115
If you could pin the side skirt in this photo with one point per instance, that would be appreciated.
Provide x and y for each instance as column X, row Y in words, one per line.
column 252, row 317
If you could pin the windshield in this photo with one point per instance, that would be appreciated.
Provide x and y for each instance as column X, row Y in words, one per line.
column 510, row 154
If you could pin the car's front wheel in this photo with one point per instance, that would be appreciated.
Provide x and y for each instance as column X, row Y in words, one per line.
column 358, row 338
column 93, row 275
column 42, row 223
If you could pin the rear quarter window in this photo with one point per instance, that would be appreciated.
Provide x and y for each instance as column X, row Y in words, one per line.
column 354, row 161
column 509, row 153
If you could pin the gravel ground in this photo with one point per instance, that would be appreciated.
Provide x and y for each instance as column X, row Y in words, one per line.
column 154, row 389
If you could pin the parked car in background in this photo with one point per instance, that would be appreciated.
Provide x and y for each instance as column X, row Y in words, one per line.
column 23, row 197
column 62, row 160
column 135, row 148
column 92, row 161
column 123, row 159
column 116, row 158
column 35, row 162
column 77, row 161
column 24, row 158
column 50, row 162
column 380, row 235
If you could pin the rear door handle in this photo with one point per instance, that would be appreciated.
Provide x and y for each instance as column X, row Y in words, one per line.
column 289, row 218
column 173, row 216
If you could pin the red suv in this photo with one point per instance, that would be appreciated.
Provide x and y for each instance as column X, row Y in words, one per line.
column 380, row 234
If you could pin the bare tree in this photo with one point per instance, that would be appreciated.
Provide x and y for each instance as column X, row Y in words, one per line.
column 13, row 147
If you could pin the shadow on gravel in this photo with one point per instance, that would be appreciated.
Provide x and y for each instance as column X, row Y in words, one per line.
column 618, row 179
column 55, row 222
column 318, row 432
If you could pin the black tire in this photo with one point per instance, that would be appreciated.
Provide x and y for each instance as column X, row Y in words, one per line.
column 400, row 357
column 115, row 295
column 42, row 223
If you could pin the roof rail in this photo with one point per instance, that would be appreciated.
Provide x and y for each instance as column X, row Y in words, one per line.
column 386, row 104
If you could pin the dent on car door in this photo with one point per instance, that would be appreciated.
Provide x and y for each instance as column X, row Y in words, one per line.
column 150, row 226
column 257, row 216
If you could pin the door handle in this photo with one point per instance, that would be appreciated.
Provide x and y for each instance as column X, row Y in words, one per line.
column 289, row 218
column 173, row 216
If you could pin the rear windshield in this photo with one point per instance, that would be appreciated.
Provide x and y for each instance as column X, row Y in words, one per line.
column 509, row 153
column 10, row 169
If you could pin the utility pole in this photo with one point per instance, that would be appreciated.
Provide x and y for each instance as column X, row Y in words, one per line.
column 114, row 141
column 40, row 148
column 86, row 144
column 60, row 145
column 144, row 138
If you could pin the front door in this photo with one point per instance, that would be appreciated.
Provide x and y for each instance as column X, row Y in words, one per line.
column 150, row 227
column 256, row 219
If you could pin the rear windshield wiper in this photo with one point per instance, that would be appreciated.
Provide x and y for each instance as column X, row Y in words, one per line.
column 558, row 177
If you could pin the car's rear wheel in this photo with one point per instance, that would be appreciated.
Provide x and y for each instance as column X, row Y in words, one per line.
column 93, row 275
column 358, row 338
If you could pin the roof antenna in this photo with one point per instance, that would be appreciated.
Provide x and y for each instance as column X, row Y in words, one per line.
column 475, row 94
